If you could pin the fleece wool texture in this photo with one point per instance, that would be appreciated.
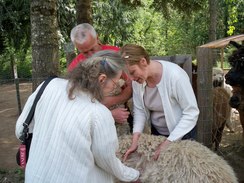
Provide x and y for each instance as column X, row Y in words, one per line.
column 183, row 161
column 221, row 114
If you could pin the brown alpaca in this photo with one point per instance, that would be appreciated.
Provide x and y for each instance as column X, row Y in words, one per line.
column 221, row 113
column 219, row 81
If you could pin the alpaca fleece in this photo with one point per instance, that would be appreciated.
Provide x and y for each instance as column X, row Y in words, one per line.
column 219, row 81
column 183, row 161
column 221, row 114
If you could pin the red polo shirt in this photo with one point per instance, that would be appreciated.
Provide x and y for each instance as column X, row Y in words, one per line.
column 81, row 57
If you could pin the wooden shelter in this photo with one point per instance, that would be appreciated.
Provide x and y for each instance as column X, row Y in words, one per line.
column 204, row 85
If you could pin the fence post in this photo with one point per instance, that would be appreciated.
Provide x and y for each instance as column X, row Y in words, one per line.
column 204, row 95
column 16, row 81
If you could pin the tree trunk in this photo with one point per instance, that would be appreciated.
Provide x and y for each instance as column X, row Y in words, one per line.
column 83, row 11
column 212, row 27
column 213, row 19
column 44, row 40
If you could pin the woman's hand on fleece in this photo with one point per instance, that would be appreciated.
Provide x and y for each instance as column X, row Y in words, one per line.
column 161, row 148
column 132, row 149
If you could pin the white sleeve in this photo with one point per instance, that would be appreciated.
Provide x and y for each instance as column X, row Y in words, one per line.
column 105, row 145
column 186, row 98
column 138, row 109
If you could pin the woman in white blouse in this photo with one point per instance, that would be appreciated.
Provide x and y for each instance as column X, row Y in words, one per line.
column 74, row 136
column 162, row 96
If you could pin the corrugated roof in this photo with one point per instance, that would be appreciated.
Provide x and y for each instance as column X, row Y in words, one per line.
column 223, row 42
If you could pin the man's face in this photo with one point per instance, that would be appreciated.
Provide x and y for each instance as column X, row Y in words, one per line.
column 89, row 47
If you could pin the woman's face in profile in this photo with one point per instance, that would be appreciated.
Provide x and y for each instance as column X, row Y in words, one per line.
column 137, row 72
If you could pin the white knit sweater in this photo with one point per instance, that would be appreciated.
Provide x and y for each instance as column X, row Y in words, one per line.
column 179, row 102
column 73, row 140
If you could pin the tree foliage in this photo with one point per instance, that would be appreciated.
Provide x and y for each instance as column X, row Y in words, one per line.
column 14, row 24
column 234, row 9
column 163, row 27
column 187, row 7
column 14, row 36
column 113, row 21
column 66, row 18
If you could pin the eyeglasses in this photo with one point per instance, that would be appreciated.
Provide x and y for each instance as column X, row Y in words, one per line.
column 116, row 85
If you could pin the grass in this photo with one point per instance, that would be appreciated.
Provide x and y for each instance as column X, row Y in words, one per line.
column 12, row 176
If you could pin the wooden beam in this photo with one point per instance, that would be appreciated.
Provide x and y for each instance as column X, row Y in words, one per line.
column 204, row 95
column 224, row 42
column 222, row 58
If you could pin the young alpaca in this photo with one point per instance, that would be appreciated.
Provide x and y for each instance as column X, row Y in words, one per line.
column 219, row 81
column 221, row 114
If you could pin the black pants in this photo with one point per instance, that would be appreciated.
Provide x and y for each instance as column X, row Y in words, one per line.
column 189, row 135
column 130, row 119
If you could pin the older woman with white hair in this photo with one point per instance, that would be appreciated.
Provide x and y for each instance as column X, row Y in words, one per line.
column 74, row 136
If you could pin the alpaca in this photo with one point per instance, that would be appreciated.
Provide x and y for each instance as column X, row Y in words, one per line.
column 182, row 161
column 218, row 78
column 219, row 81
column 221, row 114
column 235, row 78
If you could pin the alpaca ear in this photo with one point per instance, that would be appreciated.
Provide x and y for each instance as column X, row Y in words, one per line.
column 235, row 44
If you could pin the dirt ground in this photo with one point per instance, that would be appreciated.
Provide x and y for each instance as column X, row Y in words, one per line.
column 8, row 115
column 232, row 148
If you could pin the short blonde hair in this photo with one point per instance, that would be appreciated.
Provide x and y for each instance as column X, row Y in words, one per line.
column 132, row 54
column 81, row 32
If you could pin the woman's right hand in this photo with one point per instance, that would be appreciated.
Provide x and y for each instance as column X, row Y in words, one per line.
column 132, row 149
column 133, row 146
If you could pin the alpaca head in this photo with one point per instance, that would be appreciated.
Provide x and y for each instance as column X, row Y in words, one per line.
column 235, row 77
column 218, row 77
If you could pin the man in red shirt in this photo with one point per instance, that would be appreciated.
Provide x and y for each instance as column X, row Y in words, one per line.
column 85, row 39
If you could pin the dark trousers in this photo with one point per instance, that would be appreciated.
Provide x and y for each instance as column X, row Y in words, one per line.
column 130, row 121
column 190, row 135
